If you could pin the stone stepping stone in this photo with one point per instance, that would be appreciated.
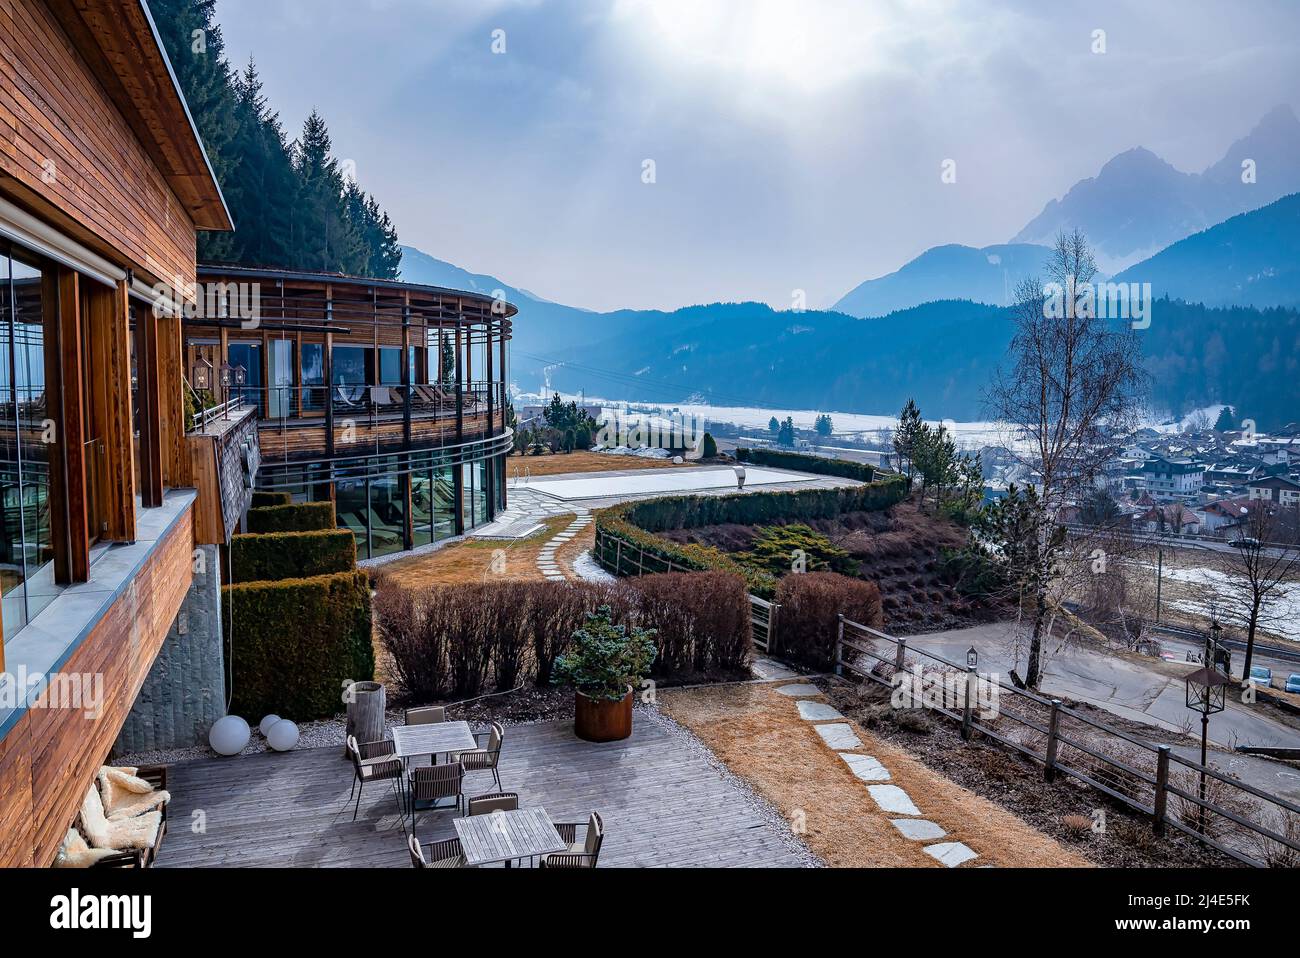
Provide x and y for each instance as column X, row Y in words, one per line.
column 893, row 799
column 951, row 854
column 838, row 735
column 799, row 689
column 818, row 711
column 918, row 829
column 766, row 668
column 865, row 767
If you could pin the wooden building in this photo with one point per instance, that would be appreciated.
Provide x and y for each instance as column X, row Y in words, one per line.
column 103, row 184
column 387, row 397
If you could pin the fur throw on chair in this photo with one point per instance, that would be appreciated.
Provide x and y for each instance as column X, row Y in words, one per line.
column 139, row 831
column 126, row 796
column 75, row 853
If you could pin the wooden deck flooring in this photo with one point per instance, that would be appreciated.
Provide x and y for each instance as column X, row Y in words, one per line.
column 663, row 805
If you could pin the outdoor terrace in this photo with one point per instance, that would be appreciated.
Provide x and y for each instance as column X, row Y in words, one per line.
column 662, row 802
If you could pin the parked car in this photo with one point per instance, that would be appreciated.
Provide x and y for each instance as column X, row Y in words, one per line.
column 1249, row 542
column 1293, row 683
column 1261, row 676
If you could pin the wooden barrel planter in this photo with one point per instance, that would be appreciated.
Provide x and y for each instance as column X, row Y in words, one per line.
column 365, row 713
column 600, row 720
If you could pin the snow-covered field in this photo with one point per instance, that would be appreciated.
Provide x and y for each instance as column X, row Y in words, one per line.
column 1280, row 616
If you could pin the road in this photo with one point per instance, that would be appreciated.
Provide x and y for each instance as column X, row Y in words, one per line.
column 1152, row 693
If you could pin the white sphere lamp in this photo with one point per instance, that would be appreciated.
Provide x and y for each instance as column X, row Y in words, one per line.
column 283, row 736
column 228, row 735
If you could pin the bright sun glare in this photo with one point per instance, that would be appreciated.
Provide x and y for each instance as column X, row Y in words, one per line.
column 803, row 45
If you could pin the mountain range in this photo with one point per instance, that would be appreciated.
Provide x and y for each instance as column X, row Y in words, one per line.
column 936, row 328
column 1138, row 204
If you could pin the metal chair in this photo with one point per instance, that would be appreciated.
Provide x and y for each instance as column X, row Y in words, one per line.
column 432, row 783
column 372, row 762
column 486, row 757
column 444, row 854
column 584, row 855
column 492, row 802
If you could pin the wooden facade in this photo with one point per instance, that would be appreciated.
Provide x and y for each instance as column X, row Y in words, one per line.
column 359, row 381
column 103, row 184
column 51, row 755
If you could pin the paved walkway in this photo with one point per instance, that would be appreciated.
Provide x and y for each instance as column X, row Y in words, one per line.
column 546, row 558
column 839, row 736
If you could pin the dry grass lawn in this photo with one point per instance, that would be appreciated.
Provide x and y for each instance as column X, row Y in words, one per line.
column 759, row 735
column 471, row 561
column 561, row 463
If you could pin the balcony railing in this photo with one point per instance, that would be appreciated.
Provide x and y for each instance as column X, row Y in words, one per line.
column 369, row 400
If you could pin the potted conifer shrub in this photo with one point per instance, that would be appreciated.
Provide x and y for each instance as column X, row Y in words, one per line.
column 604, row 665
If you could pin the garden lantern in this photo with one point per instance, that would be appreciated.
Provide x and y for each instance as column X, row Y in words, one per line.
column 972, row 658
column 1207, row 693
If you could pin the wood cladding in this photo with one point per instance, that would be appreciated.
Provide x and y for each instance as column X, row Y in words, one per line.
column 51, row 755
column 69, row 154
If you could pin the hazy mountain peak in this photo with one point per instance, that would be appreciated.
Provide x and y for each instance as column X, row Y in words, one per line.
column 1138, row 203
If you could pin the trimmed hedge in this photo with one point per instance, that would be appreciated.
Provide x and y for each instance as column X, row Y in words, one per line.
column 818, row 465
column 263, row 498
column 292, row 555
column 295, row 517
column 637, row 522
column 296, row 642
column 808, row 620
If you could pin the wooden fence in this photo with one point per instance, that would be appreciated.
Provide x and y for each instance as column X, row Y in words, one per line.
column 1234, row 817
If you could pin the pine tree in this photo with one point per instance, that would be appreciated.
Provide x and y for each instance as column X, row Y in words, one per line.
column 785, row 437
column 290, row 204
column 1227, row 420
column 906, row 434
column 774, row 425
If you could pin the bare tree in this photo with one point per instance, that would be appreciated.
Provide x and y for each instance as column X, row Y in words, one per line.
column 1259, row 564
column 1071, row 381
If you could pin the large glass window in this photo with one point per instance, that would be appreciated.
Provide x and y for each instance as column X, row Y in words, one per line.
column 387, row 515
column 280, row 363
column 352, row 509
column 248, row 355
column 390, row 366
column 26, row 544
column 313, row 377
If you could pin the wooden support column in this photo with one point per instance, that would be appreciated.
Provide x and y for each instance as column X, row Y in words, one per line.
column 110, row 344
column 490, row 469
column 171, row 403
column 149, row 384
column 65, row 455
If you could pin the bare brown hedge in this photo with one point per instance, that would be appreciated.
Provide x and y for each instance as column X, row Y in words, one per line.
column 463, row 640
column 808, row 620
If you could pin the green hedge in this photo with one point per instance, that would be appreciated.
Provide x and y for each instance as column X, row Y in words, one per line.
column 263, row 498
column 296, row 517
column 291, row 555
column 637, row 522
column 818, row 465
column 296, row 642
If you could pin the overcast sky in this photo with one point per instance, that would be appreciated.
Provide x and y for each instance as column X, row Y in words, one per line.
column 797, row 145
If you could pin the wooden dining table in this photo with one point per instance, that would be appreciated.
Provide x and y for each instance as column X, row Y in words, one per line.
column 432, row 739
column 506, row 836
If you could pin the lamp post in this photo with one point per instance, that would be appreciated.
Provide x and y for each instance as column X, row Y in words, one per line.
column 1207, row 689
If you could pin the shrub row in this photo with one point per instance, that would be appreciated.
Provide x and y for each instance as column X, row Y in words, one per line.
column 294, row 517
column 463, row 640
column 635, row 524
column 808, row 620
column 291, row 555
column 800, row 462
column 295, row 642
column 263, row 498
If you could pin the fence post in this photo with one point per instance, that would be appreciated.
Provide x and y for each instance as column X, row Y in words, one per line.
column 771, row 628
column 1162, row 789
column 900, row 656
column 618, row 557
column 968, row 707
column 839, row 646
column 1049, row 757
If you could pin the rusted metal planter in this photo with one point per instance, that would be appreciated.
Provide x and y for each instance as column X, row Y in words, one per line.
column 600, row 720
